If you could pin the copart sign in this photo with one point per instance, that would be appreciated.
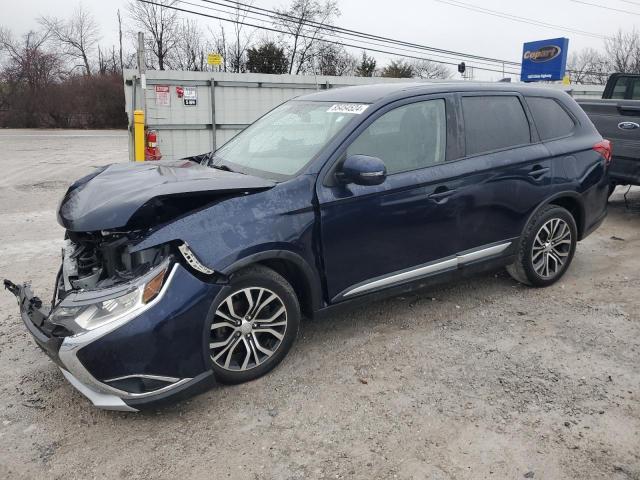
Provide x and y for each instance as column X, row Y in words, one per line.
column 544, row 60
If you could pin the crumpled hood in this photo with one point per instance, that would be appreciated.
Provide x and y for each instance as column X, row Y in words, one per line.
column 109, row 197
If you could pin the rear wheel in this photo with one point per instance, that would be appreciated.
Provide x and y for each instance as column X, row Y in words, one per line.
column 546, row 247
column 254, row 324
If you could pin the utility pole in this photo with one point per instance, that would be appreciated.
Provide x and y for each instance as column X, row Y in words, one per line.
column 120, row 40
column 142, row 71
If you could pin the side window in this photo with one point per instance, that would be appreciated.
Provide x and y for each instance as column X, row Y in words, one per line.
column 635, row 89
column 407, row 138
column 493, row 123
column 552, row 121
column 620, row 87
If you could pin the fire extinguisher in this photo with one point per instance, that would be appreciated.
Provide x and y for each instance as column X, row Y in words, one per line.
column 152, row 151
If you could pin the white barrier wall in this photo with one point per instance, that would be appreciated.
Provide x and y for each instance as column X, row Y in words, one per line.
column 225, row 103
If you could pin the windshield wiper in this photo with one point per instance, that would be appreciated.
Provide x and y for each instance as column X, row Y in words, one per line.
column 225, row 168
column 222, row 167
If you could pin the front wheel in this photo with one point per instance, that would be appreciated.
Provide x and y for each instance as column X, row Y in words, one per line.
column 254, row 324
column 546, row 248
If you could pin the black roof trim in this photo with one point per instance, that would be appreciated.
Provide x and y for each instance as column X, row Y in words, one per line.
column 393, row 91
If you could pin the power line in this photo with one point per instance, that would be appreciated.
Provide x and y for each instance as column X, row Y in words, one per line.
column 273, row 13
column 387, row 52
column 516, row 18
column 607, row 8
column 332, row 29
column 632, row 3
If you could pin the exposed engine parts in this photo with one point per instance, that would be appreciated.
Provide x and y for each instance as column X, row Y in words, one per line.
column 99, row 260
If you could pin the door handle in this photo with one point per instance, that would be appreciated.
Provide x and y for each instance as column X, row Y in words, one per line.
column 538, row 172
column 441, row 193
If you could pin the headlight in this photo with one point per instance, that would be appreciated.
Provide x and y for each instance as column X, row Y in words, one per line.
column 91, row 316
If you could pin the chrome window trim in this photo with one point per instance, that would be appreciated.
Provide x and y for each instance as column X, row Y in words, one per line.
column 457, row 261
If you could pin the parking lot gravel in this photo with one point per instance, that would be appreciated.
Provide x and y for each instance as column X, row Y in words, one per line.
column 484, row 378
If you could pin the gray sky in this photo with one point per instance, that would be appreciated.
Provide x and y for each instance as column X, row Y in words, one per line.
column 426, row 22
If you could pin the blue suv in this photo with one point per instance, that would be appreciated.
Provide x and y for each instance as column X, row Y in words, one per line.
column 179, row 274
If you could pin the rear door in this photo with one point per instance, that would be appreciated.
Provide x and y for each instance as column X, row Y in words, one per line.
column 506, row 169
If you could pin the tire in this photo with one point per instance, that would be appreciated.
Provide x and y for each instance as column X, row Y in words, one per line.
column 612, row 188
column 240, row 334
column 535, row 249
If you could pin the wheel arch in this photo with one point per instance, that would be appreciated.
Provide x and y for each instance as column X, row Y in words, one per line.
column 293, row 268
column 572, row 202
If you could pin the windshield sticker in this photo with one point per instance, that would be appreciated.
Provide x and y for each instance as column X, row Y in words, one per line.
column 353, row 108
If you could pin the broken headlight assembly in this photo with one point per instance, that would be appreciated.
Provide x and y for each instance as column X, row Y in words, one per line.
column 92, row 315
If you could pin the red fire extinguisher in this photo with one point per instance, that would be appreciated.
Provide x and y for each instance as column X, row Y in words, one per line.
column 152, row 151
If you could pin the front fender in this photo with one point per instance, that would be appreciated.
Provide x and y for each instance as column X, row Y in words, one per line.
column 272, row 223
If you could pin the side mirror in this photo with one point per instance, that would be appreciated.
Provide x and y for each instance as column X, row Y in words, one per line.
column 362, row 170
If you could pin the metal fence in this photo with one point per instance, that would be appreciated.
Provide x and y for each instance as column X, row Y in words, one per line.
column 220, row 104
column 196, row 112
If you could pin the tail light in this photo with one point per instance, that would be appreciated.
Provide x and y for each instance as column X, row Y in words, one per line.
column 604, row 149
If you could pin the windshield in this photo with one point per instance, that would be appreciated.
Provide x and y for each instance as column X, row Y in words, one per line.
column 282, row 142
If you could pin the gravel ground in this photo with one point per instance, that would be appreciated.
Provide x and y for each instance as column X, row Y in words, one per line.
column 483, row 378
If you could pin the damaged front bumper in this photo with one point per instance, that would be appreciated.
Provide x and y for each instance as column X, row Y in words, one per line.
column 144, row 354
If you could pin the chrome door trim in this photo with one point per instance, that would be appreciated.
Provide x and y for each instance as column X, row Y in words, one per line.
column 482, row 253
column 455, row 262
column 404, row 276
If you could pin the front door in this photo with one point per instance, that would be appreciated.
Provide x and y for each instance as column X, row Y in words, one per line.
column 378, row 236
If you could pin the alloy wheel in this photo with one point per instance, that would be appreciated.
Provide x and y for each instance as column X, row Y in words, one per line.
column 248, row 328
column 551, row 248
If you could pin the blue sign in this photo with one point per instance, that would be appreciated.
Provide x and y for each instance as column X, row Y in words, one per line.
column 544, row 60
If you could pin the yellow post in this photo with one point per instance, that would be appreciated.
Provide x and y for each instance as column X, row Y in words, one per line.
column 138, row 135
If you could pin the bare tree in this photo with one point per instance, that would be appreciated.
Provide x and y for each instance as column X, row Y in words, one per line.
column 430, row 70
column 588, row 66
column 27, row 76
column 27, row 60
column 109, row 62
column 237, row 50
column 160, row 26
column 77, row 36
column 305, row 22
column 623, row 50
column 220, row 45
column 189, row 53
